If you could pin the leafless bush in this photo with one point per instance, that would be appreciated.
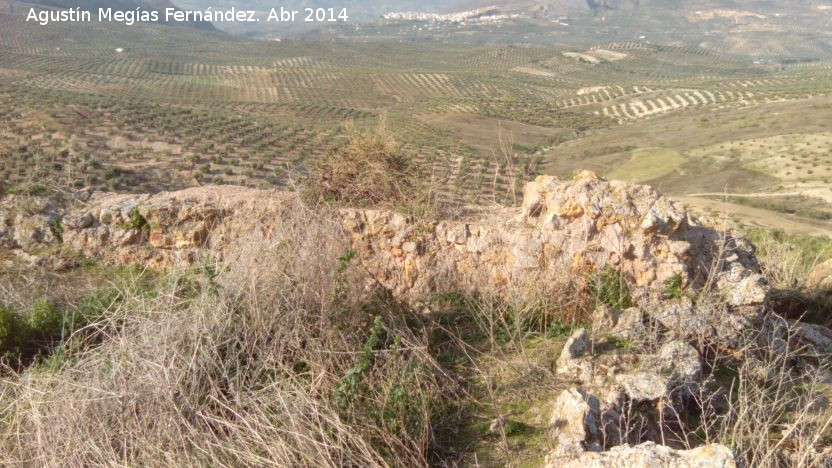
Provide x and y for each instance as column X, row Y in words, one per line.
column 515, row 168
column 768, row 402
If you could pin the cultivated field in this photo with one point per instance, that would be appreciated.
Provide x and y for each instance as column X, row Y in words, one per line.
column 148, row 108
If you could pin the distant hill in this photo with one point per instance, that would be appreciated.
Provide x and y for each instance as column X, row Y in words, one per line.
column 717, row 8
column 93, row 5
column 777, row 29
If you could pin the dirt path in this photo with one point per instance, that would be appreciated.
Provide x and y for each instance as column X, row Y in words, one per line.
column 759, row 218
column 745, row 195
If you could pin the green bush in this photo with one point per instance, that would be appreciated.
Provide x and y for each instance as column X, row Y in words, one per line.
column 45, row 319
column 347, row 388
column 95, row 305
column 53, row 362
column 674, row 287
column 12, row 330
column 608, row 287
column 57, row 229
column 136, row 220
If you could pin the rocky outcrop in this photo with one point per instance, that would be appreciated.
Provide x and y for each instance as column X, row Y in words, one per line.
column 649, row 455
column 580, row 422
column 563, row 231
column 813, row 340
column 169, row 229
column 680, row 361
column 627, row 324
column 705, row 319
column 588, row 432
column 29, row 223
column 644, row 385
column 662, row 378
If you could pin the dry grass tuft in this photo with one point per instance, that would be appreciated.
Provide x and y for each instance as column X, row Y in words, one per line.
column 368, row 171
column 786, row 261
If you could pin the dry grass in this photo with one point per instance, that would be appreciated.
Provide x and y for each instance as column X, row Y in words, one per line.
column 767, row 401
column 766, row 396
column 368, row 170
column 786, row 261
column 280, row 360
column 371, row 171
column 765, row 392
column 284, row 355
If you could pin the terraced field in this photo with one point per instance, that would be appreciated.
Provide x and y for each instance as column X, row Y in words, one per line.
column 152, row 107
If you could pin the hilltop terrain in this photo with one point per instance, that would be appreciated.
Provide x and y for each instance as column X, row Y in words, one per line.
column 544, row 234
column 772, row 30
column 597, row 323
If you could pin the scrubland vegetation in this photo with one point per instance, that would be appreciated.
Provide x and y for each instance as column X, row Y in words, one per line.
column 276, row 358
column 287, row 354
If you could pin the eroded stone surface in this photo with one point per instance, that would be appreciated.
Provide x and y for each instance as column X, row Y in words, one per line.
column 814, row 340
column 564, row 230
column 574, row 359
column 29, row 223
column 649, row 455
column 715, row 321
column 580, row 421
column 680, row 360
column 625, row 324
column 821, row 276
column 645, row 385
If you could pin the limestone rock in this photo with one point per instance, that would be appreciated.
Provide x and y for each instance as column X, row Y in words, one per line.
column 821, row 276
column 578, row 345
column 709, row 320
column 625, row 324
column 574, row 359
column 576, row 418
column 815, row 340
column 680, row 360
column 604, row 318
column 649, row 455
column 29, row 223
column 581, row 422
column 741, row 286
column 665, row 377
column 679, row 316
column 645, row 385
